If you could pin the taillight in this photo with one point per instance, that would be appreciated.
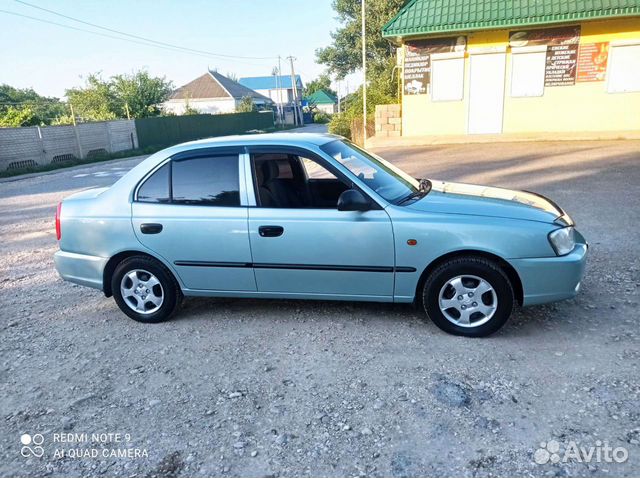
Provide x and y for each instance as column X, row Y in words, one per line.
column 58, row 229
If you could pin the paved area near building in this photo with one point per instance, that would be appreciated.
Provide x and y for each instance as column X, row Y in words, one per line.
column 291, row 388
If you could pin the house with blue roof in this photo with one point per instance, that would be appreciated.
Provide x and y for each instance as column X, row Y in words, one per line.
column 276, row 87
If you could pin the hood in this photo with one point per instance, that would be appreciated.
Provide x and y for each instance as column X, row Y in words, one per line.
column 459, row 198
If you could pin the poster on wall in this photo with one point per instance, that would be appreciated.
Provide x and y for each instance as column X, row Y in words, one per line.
column 592, row 61
column 417, row 61
column 562, row 51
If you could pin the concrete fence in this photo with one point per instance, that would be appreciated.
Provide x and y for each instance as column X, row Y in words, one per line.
column 24, row 147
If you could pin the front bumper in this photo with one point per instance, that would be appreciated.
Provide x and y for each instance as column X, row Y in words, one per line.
column 80, row 268
column 549, row 279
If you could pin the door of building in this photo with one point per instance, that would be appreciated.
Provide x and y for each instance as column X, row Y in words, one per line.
column 486, row 91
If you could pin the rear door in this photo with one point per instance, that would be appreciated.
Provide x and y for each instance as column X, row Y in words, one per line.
column 192, row 212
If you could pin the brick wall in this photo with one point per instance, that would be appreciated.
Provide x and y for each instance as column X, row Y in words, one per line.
column 388, row 120
column 41, row 145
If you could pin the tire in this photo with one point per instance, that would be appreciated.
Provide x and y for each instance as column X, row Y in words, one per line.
column 154, row 300
column 452, row 282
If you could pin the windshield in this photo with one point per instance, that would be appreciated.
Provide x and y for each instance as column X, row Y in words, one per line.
column 384, row 178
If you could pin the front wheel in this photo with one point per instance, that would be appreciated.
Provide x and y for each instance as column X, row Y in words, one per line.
column 469, row 296
column 145, row 290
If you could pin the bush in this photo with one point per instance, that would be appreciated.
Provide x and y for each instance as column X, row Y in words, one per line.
column 341, row 124
column 321, row 117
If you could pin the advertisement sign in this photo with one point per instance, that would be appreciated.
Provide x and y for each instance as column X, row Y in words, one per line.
column 561, row 65
column 592, row 61
column 562, row 51
column 417, row 61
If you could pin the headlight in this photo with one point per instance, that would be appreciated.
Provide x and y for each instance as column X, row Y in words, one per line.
column 562, row 240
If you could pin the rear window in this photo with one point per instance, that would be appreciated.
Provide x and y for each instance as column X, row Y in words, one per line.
column 212, row 181
column 156, row 187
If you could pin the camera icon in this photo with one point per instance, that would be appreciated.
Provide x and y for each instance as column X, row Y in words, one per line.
column 31, row 445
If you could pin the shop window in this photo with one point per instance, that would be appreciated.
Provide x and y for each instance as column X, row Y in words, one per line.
column 527, row 71
column 624, row 68
column 447, row 76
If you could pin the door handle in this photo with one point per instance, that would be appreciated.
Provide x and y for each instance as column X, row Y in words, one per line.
column 150, row 228
column 270, row 231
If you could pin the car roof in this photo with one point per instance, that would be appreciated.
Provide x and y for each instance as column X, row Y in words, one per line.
column 282, row 139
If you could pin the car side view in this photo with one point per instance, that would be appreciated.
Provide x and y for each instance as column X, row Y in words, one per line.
column 306, row 216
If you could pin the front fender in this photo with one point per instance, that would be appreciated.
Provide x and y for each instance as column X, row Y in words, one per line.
column 437, row 235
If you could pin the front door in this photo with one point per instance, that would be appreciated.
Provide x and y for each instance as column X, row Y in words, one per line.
column 302, row 244
column 486, row 92
column 190, row 213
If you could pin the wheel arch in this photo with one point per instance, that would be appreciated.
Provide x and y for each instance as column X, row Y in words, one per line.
column 116, row 259
column 508, row 269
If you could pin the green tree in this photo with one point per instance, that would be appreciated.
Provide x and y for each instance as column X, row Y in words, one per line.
column 246, row 105
column 100, row 99
column 323, row 82
column 344, row 56
column 14, row 117
column 96, row 101
column 42, row 110
column 141, row 92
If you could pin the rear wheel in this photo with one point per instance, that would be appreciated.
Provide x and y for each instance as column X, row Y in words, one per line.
column 145, row 290
column 469, row 296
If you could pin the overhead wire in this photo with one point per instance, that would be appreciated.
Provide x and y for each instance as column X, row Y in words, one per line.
column 138, row 37
column 175, row 49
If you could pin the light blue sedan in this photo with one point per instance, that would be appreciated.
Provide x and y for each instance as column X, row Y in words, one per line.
column 307, row 216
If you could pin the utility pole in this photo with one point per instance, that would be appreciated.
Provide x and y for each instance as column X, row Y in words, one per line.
column 76, row 132
column 297, row 113
column 281, row 109
column 364, row 77
column 73, row 116
column 276, row 74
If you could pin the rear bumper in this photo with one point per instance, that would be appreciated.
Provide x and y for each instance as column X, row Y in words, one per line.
column 549, row 279
column 79, row 268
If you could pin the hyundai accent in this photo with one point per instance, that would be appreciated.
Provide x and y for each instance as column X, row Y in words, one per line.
column 304, row 216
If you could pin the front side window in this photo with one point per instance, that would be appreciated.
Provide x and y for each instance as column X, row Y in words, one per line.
column 288, row 180
column 384, row 178
column 209, row 181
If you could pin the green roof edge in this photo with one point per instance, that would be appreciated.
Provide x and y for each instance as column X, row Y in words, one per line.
column 500, row 24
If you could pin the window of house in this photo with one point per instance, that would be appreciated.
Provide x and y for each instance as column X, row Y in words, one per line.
column 447, row 76
column 527, row 71
column 624, row 68
column 156, row 187
column 211, row 181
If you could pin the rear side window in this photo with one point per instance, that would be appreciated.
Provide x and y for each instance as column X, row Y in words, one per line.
column 211, row 181
column 156, row 187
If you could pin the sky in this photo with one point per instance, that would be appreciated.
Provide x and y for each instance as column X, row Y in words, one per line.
column 50, row 58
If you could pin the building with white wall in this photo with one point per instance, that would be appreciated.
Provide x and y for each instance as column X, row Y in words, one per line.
column 278, row 88
column 213, row 93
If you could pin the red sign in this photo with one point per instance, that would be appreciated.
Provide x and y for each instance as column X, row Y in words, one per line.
column 592, row 61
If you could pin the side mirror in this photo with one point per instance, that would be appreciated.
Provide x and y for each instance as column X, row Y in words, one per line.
column 353, row 200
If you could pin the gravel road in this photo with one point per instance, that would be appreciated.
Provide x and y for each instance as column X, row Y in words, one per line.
column 291, row 388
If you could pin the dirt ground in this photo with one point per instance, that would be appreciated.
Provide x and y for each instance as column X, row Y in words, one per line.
column 291, row 388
